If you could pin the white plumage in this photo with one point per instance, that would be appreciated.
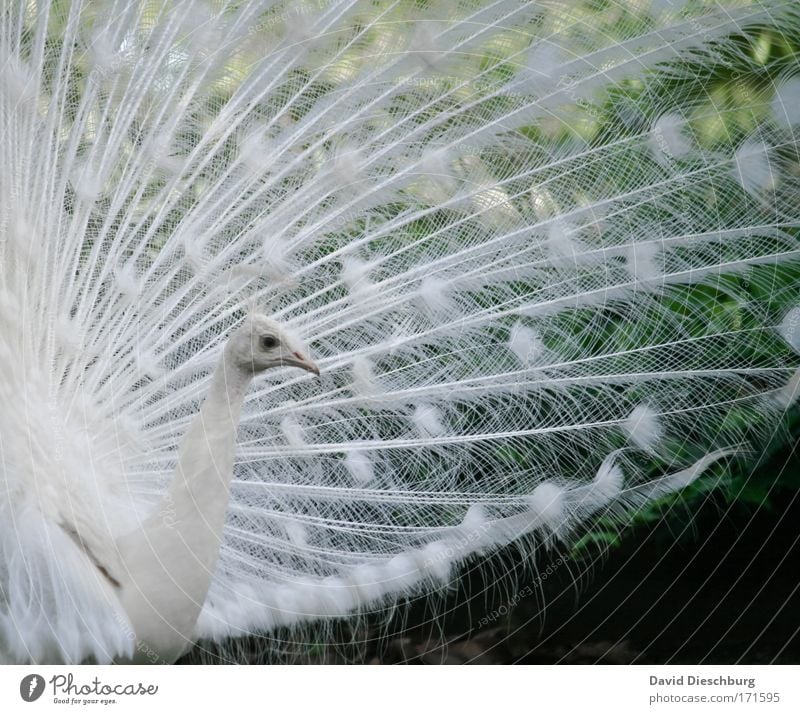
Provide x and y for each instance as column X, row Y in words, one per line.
column 643, row 427
column 490, row 221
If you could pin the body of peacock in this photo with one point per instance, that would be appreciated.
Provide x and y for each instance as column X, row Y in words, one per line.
column 542, row 277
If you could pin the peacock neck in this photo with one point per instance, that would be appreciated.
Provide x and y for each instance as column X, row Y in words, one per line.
column 169, row 562
column 197, row 500
column 201, row 482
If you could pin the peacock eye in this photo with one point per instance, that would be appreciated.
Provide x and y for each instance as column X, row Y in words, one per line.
column 269, row 342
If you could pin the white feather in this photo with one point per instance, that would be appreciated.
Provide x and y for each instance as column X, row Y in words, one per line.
column 786, row 396
column 789, row 328
column 297, row 533
column 293, row 432
column 128, row 282
column 643, row 427
column 786, row 103
column 364, row 381
column 16, row 81
column 642, row 260
column 360, row 466
column 607, row 484
column 668, row 140
column 435, row 295
column 494, row 250
column 88, row 184
column 753, row 168
column 547, row 504
column 439, row 181
column 355, row 275
column 524, row 342
column 561, row 243
column 428, row 420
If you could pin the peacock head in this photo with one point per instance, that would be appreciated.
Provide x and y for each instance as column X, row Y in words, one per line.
column 261, row 343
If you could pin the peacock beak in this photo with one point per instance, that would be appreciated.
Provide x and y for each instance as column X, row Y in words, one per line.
column 298, row 359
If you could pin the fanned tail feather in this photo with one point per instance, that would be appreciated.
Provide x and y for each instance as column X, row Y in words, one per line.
column 492, row 226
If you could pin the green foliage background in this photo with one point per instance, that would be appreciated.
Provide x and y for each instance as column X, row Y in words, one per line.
column 736, row 94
